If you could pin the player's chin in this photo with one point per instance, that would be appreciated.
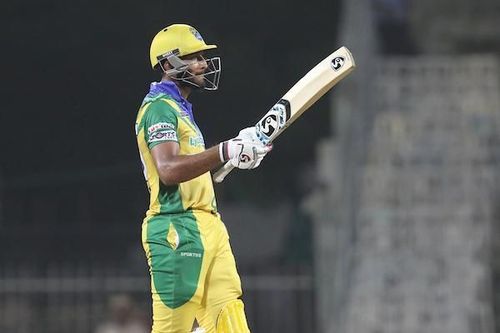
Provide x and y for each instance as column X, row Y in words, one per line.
column 199, row 81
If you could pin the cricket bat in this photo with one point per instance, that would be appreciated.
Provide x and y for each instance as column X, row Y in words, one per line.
column 299, row 98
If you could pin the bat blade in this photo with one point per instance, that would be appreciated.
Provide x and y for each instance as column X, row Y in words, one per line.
column 299, row 98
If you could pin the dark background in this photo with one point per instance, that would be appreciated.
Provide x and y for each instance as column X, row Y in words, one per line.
column 72, row 194
column 75, row 73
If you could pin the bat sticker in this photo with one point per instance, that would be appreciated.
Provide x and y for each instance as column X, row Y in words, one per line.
column 299, row 98
column 337, row 63
column 274, row 120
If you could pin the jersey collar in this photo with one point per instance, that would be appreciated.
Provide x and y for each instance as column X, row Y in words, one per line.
column 169, row 88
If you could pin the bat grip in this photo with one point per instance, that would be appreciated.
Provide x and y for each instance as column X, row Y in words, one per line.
column 223, row 172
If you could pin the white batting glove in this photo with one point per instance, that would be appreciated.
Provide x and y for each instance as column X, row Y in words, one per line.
column 243, row 154
column 249, row 134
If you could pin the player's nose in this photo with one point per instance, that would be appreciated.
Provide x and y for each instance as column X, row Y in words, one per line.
column 202, row 62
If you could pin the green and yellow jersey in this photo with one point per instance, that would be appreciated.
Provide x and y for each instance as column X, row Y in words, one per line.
column 166, row 116
column 184, row 238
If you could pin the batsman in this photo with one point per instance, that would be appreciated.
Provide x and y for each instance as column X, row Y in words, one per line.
column 192, row 267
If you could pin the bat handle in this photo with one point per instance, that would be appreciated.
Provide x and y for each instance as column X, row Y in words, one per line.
column 223, row 172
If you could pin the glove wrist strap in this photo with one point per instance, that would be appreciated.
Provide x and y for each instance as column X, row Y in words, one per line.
column 223, row 151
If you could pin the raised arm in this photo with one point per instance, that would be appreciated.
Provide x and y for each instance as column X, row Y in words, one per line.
column 174, row 168
column 242, row 151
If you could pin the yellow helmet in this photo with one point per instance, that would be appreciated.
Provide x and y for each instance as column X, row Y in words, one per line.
column 176, row 39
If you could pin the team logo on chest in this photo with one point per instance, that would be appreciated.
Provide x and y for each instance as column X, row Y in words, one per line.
column 196, row 141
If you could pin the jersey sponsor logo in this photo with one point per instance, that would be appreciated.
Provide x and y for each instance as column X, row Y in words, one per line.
column 197, row 141
column 162, row 136
column 191, row 254
column 160, row 126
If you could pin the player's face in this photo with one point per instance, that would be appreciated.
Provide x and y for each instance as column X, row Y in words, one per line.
column 197, row 66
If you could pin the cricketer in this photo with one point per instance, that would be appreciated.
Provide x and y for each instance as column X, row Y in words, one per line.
column 192, row 267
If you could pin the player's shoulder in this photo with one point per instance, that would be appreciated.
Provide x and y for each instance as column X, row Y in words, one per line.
column 161, row 105
column 159, row 112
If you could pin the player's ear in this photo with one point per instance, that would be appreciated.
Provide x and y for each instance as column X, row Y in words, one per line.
column 165, row 65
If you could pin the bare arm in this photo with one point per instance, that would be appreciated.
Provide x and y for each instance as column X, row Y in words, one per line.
column 174, row 168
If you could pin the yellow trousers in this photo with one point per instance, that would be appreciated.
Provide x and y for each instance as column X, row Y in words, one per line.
column 192, row 267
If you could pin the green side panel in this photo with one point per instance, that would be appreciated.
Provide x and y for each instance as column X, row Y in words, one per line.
column 170, row 199
column 175, row 273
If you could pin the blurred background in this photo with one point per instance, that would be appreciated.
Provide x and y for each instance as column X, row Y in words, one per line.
column 377, row 211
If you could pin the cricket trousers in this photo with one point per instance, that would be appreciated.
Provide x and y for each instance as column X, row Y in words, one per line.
column 192, row 268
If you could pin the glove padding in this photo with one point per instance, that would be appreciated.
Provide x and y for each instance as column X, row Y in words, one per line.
column 250, row 134
column 243, row 154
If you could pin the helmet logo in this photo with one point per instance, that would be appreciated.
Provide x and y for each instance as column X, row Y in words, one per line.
column 196, row 34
